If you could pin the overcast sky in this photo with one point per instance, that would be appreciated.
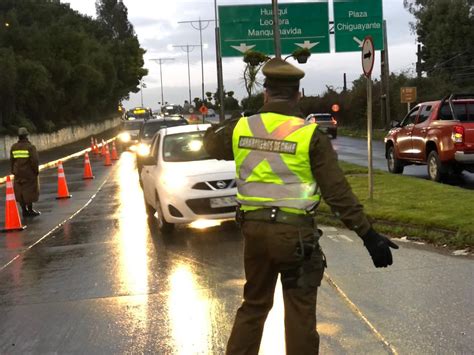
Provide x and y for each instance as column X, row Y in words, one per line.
column 156, row 25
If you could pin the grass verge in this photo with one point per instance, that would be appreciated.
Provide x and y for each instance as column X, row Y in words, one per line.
column 412, row 207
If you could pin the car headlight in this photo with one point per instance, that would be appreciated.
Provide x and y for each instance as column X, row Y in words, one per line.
column 125, row 137
column 173, row 181
column 143, row 149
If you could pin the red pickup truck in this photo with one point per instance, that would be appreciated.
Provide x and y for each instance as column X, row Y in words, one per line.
column 437, row 133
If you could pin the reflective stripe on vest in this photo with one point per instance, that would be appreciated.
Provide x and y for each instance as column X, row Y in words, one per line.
column 272, row 160
column 20, row 154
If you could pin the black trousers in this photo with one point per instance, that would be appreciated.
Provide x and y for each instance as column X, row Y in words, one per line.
column 270, row 249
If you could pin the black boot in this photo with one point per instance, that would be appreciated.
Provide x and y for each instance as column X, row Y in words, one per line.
column 24, row 210
column 32, row 212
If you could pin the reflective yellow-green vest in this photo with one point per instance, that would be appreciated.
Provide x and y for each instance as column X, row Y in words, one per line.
column 273, row 169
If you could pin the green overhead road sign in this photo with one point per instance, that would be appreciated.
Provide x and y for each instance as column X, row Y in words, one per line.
column 356, row 19
column 302, row 25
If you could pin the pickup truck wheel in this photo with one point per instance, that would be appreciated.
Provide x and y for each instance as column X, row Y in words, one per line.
column 395, row 166
column 165, row 227
column 437, row 171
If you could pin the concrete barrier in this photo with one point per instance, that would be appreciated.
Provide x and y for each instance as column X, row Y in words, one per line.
column 64, row 136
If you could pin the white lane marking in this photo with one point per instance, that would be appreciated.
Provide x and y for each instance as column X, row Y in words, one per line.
column 55, row 228
column 359, row 313
column 345, row 237
column 333, row 238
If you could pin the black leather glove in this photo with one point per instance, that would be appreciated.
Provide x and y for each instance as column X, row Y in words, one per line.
column 379, row 248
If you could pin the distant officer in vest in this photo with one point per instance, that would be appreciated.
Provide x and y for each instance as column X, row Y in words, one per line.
column 283, row 168
column 25, row 168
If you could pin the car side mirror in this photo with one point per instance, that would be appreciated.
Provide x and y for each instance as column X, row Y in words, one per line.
column 394, row 124
column 148, row 160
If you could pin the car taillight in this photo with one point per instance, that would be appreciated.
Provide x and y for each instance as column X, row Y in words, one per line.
column 458, row 134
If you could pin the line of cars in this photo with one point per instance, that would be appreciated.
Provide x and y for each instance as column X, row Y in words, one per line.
column 181, row 183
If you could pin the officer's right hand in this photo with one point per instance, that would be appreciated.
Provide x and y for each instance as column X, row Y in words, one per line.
column 379, row 248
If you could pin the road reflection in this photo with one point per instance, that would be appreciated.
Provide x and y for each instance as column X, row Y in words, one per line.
column 190, row 312
column 132, row 237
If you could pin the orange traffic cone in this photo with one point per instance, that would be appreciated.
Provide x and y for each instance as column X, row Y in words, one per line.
column 63, row 191
column 12, row 217
column 107, row 161
column 96, row 147
column 87, row 167
column 102, row 152
column 92, row 144
column 114, row 152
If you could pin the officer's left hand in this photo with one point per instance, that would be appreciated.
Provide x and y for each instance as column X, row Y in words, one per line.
column 379, row 248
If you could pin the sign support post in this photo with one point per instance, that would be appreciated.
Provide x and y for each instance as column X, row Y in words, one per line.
column 368, row 58
column 276, row 29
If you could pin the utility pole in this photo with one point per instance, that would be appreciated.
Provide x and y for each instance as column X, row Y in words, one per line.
column 220, row 76
column 200, row 27
column 418, row 62
column 276, row 29
column 385, row 76
column 141, row 92
column 188, row 48
column 161, row 61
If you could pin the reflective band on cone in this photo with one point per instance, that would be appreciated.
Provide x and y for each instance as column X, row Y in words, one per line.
column 12, row 217
column 102, row 152
column 63, row 191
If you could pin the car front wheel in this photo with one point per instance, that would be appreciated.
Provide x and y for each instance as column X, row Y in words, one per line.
column 395, row 166
column 437, row 171
column 164, row 226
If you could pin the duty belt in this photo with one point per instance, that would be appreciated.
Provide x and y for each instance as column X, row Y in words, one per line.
column 277, row 216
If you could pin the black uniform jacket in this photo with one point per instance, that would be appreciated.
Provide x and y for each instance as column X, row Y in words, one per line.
column 334, row 187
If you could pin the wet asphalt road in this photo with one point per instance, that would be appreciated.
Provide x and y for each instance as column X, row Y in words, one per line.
column 106, row 281
column 354, row 150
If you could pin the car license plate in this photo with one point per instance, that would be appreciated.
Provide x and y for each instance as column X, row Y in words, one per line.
column 223, row 202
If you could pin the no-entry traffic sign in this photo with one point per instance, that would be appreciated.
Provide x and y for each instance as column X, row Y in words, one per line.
column 368, row 56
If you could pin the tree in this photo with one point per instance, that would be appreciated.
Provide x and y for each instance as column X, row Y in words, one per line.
column 58, row 67
column 445, row 28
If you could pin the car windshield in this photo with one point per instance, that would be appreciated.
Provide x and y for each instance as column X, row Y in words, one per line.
column 132, row 125
column 184, row 147
column 150, row 128
column 464, row 111
column 321, row 118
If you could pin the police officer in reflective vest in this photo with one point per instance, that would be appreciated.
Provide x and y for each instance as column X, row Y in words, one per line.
column 283, row 168
column 24, row 166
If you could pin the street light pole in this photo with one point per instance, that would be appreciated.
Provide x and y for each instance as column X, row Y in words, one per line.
column 161, row 61
column 188, row 48
column 220, row 78
column 141, row 93
column 200, row 28
column 276, row 29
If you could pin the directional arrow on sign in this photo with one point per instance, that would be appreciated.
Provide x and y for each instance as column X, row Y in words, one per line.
column 359, row 42
column 307, row 44
column 243, row 47
column 368, row 55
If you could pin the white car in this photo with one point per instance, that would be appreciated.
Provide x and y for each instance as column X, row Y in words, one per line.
column 182, row 184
